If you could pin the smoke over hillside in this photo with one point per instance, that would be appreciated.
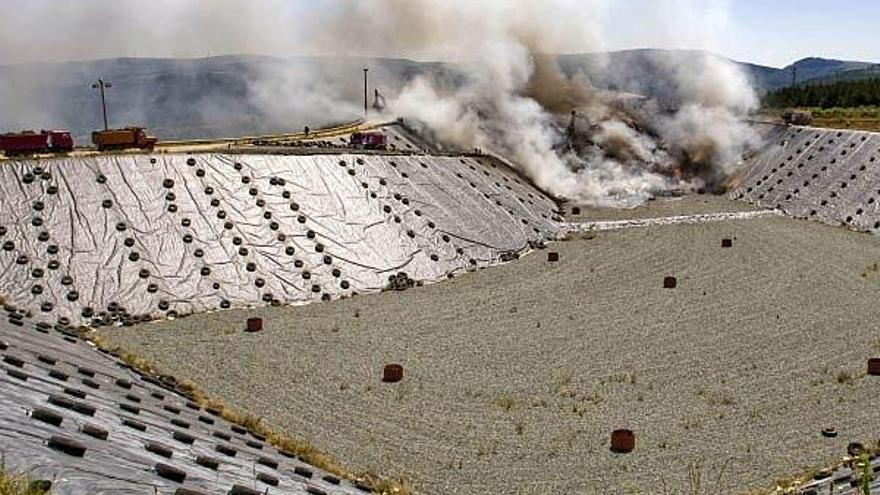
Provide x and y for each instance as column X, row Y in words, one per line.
column 506, row 92
column 516, row 100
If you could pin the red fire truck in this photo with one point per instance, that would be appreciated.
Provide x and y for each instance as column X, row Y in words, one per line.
column 30, row 142
column 369, row 141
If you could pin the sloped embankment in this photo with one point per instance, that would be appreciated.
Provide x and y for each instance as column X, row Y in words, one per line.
column 84, row 423
column 128, row 238
column 827, row 175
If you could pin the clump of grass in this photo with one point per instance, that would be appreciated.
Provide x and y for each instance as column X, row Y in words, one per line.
column 844, row 378
column 487, row 449
column 473, row 393
column 623, row 378
column 864, row 112
column 195, row 394
column 697, row 484
column 866, row 473
column 691, row 424
column 567, row 393
column 385, row 486
column 18, row 484
column 135, row 361
column 506, row 402
column 861, row 466
column 563, row 387
column 255, row 424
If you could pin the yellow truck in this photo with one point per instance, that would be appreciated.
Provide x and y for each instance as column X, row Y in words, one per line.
column 120, row 139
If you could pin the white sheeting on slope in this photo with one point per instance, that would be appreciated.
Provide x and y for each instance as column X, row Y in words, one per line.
column 823, row 174
column 180, row 234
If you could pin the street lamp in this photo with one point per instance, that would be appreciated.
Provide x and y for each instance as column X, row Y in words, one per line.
column 102, row 85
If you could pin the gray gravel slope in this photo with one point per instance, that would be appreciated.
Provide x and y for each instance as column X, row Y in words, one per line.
column 516, row 375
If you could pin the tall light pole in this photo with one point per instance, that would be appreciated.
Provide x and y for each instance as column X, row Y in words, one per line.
column 366, row 101
column 103, row 85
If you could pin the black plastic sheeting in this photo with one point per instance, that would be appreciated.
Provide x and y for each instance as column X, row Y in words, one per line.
column 828, row 175
column 81, row 420
column 125, row 238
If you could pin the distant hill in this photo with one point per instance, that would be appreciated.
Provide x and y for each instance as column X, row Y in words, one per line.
column 818, row 68
column 646, row 71
column 238, row 94
column 870, row 72
column 187, row 98
column 810, row 71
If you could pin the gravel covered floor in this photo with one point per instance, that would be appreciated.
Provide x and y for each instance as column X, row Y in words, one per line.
column 516, row 375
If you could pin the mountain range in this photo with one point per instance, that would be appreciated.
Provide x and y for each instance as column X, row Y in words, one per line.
column 242, row 94
column 810, row 71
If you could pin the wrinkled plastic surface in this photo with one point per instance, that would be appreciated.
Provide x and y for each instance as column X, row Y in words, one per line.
column 821, row 174
column 119, row 238
column 37, row 365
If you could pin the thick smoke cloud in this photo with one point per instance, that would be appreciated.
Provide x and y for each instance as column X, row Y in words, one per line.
column 516, row 99
column 69, row 30
column 177, row 94
column 508, row 94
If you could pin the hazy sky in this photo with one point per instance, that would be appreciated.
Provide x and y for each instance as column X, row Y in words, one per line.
column 777, row 31
column 771, row 32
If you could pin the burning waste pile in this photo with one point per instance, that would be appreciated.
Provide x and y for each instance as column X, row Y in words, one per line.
column 573, row 139
column 592, row 146
column 500, row 86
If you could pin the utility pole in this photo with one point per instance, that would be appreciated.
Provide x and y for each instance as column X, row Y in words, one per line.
column 793, row 76
column 103, row 85
column 366, row 101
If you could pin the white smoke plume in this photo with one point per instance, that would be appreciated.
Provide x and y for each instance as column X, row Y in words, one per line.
column 516, row 98
column 512, row 98
column 708, row 129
